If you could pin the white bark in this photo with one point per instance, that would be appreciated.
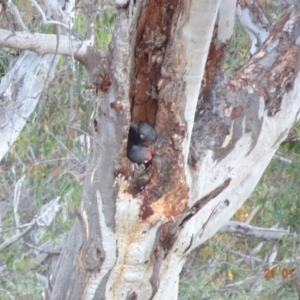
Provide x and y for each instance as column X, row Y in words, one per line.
column 244, row 169
column 22, row 86
column 226, row 20
column 201, row 22
column 251, row 150
column 43, row 43
column 253, row 231
column 135, row 246
column 256, row 31
column 21, row 89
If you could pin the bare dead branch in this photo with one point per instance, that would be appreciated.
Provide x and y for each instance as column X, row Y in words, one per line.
column 16, row 201
column 245, row 281
column 45, row 21
column 42, row 43
column 252, row 231
column 245, row 257
column 282, row 159
column 255, row 23
column 15, row 238
column 55, row 252
column 9, row 228
column 13, row 10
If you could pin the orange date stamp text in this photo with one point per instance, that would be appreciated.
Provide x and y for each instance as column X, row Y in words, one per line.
column 285, row 273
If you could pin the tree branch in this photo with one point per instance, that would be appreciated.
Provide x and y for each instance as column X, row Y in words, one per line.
column 45, row 21
column 43, row 43
column 282, row 159
column 252, row 231
column 15, row 238
column 255, row 23
column 13, row 10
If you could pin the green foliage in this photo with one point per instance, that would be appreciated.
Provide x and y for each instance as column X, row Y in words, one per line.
column 17, row 279
column 278, row 191
column 105, row 22
column 238, row 49
column 273, row 9
column 104, row 25
column 4, row 61
column 51, row 152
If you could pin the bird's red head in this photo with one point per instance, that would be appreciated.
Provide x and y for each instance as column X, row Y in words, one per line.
column 148, row 154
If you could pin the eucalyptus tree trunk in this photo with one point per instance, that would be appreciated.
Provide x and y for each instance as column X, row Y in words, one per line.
column 210, row 153
column 124, row 244
column 131, row 241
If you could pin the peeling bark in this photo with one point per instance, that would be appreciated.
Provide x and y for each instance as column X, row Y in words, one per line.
column 22, row 86
column 254, row 110
column 126, row 239
column 254, row 232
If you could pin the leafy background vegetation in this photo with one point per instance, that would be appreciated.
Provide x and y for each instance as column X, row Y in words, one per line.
column 50, row 155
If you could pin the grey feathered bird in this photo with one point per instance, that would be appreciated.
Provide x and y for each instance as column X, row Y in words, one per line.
column 139, row 155
column 143, row 134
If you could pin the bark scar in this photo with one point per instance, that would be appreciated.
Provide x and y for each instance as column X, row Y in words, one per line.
column 157, row 256
column 197, row 206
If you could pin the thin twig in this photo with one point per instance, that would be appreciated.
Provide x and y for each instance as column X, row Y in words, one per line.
column 42, row 250
column 17, row 17
column 282, row 159
column 64, row 146
column 15, row 238
column 45, row 21
column 16, row 202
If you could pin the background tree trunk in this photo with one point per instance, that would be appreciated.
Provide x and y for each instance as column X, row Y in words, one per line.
column 22, row 87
